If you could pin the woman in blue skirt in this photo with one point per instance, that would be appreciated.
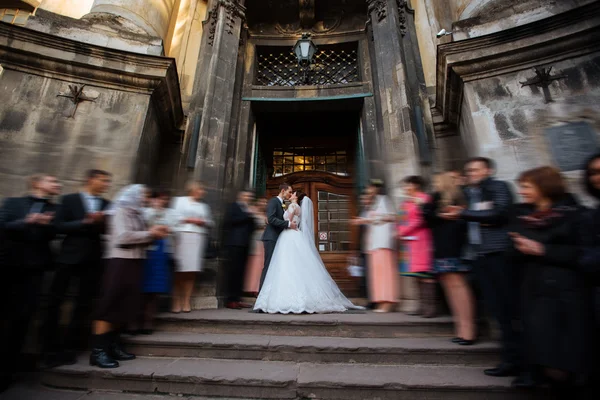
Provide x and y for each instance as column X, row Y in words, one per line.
column 157, row 270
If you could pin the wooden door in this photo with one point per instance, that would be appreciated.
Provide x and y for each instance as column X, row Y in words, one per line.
column 334, row 206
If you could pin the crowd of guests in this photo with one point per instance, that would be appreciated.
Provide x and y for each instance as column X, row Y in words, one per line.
column 536, row 265
column 119, row 257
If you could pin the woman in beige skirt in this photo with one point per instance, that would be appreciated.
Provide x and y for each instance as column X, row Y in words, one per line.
column 190, row 244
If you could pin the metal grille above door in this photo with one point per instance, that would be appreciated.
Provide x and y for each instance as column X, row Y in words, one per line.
column 334, row 64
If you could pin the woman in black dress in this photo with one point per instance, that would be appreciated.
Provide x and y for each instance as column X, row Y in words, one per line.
column 449, row 239
column 546, row 235
column 590, row 264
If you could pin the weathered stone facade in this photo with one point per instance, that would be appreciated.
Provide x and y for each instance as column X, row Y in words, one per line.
column 484, row 105
column 133, row 107
column 422, row 103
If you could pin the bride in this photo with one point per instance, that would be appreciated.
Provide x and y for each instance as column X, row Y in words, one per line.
column 297, row 280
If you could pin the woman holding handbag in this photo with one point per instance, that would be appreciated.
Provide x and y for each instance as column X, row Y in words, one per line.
column 547, row 244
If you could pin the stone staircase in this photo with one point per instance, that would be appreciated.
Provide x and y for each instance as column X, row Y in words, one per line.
column 352, row 356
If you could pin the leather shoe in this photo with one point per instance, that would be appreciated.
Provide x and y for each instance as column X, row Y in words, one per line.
column 116, row 351
column 503, row 370
column 233, row 305
column 100, row 358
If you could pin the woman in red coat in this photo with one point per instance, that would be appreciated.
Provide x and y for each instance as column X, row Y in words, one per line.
column 417, row 238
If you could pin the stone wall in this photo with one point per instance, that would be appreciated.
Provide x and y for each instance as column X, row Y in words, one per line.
column 68, row 8
column 504, row 121
column 474, row 18
column 184, row 44
column 102, row 30
column 37, row 134
column 149, row 149
column 480, row 95
column 132, row 102
column 482, row 17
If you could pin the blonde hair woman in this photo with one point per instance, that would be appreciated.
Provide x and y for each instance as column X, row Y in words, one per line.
column 449, row 239
column 195, row 220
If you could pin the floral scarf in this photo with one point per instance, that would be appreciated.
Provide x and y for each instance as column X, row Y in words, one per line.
column 544, row 219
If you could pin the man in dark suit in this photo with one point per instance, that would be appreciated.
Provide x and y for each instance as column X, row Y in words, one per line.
column 81, row 219
column 276, row 224
column 27, row 228
column 487, row 217
column 240, row 226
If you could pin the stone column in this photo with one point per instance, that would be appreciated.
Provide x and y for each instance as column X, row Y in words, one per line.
column 153, row 16
column 211, row 129
column 397, row 130
column 213, row 97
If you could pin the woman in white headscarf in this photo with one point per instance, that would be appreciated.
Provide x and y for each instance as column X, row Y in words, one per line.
column 122, row 282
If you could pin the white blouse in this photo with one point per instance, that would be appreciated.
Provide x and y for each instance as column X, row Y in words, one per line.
column 186, row 207
column 381, row 235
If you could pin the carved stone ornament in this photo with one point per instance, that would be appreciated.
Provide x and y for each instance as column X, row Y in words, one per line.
column 233, row 10
column 379, row 7
column 402, row 16
column 76, row 95
column 307, row 13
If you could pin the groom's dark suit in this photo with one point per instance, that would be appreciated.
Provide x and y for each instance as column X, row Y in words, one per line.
column 275, row 226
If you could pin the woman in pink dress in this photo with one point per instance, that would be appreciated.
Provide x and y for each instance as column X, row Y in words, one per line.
column 382, row 274
column 418, row 241
column 257, row 252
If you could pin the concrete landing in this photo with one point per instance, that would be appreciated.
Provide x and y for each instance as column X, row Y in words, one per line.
column 286, row 380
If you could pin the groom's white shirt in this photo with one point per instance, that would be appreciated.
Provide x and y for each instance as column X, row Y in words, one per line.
column 281, row 200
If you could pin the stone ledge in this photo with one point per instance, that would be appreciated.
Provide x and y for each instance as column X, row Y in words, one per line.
column 349, row 324
column 405, row 351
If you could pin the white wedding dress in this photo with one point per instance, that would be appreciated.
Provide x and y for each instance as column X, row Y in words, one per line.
column 297, row 280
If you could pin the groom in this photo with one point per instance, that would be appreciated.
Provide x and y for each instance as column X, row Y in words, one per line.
column 276, row 225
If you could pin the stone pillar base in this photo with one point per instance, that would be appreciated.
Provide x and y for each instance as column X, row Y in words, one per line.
column 409, row 294
column 205, row 297
column 205, row 303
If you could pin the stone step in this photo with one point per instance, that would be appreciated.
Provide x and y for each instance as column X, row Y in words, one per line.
column 357, row 324
column 403, row 351
column 284, row 380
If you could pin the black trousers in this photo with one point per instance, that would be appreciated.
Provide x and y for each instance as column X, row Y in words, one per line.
column 78, row 331
column 500, row 289
column 269, row 249
column 236, row 269
column 23, row 291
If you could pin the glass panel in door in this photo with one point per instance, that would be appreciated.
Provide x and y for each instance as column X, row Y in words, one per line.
column 333, row 222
